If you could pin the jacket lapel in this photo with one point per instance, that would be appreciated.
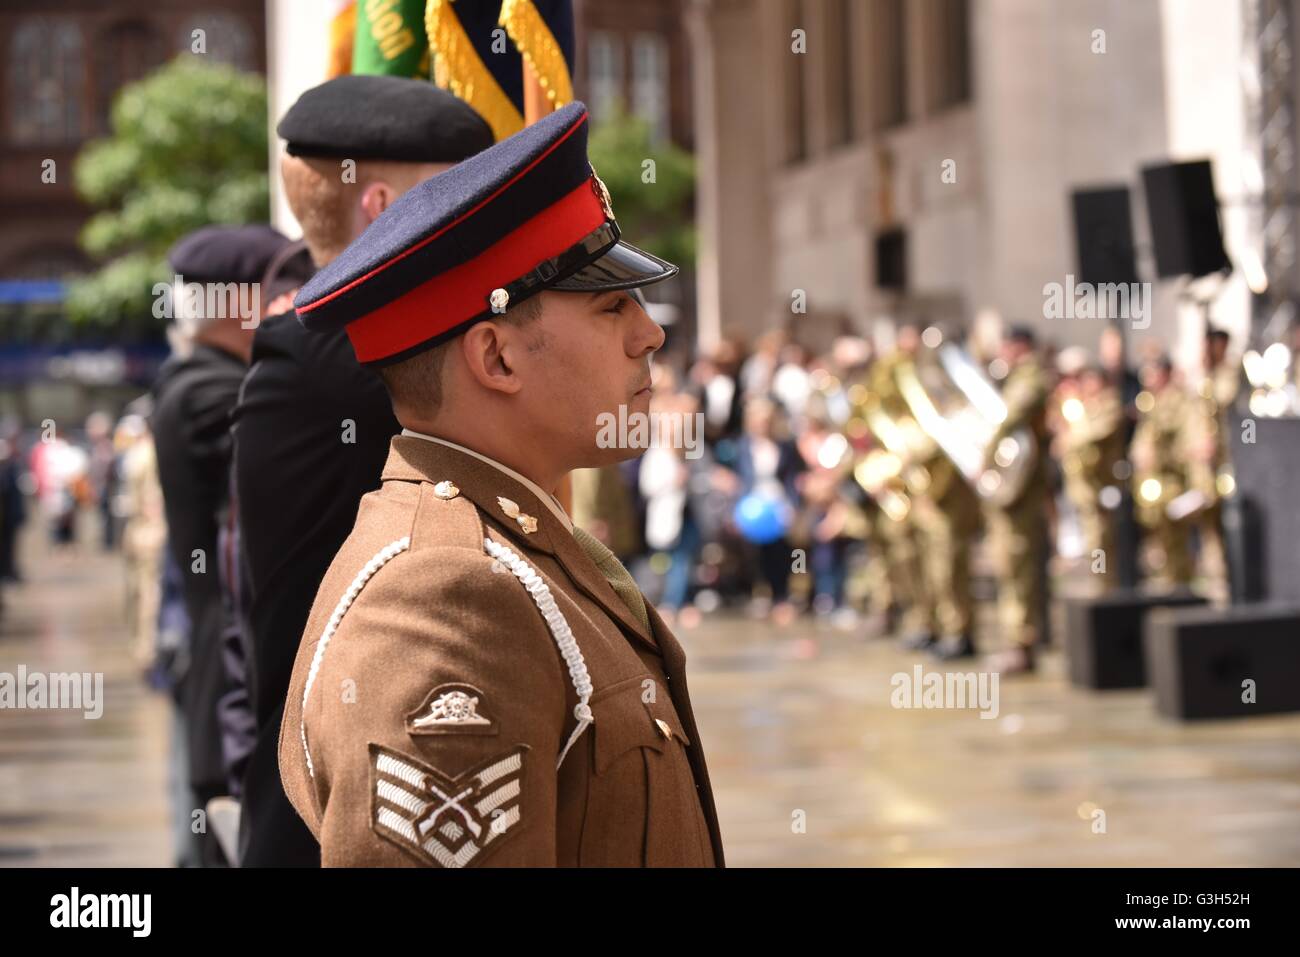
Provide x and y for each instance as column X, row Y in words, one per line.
column 416, row 459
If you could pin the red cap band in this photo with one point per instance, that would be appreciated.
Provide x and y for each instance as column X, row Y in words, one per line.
column 461, row 293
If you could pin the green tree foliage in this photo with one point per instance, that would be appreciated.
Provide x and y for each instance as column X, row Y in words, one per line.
column 653, row 215
column 188, row 148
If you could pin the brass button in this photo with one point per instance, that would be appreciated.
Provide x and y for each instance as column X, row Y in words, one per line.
column 666, row 731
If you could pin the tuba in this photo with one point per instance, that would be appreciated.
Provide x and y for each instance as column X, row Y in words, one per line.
column 889, row 473
column 960, row 409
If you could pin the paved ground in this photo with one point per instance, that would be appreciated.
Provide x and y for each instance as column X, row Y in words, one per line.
column 75, row 791
column 811, row 764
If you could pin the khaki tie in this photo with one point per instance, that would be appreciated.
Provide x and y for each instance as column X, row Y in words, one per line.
column 618, row 577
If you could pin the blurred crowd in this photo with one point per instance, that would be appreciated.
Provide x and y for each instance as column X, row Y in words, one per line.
column 860, row 486
column 814, row 438
column 783, row 506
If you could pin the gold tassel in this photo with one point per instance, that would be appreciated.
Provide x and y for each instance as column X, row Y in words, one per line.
column 459, row 69
column 540, row 51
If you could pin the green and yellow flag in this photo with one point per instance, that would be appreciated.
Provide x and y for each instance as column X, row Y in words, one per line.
column 390, row 38
column 490, row 53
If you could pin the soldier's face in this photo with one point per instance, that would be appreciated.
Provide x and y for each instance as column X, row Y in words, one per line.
column 593, row 369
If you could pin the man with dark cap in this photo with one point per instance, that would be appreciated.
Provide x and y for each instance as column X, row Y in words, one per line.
column 216, row 302
column 481, row 682
column 312, row 427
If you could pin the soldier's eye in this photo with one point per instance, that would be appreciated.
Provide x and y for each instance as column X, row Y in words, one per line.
column 617, row 305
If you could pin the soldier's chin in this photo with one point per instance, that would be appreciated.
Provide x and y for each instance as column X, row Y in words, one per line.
column 601, row 456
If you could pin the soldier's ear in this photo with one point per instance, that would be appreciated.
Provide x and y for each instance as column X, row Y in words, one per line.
column 488, row 352
column 376, row 197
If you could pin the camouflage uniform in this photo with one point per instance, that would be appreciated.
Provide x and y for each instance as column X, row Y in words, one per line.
column 1208, row 426
column 899, row 537
column 1018, row 531
column 1092, row 444
column 1160, row 447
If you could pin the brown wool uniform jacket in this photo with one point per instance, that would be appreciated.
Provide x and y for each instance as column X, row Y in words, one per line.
column 442, row 675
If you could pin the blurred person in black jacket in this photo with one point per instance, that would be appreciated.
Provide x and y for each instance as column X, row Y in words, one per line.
column 193, row 398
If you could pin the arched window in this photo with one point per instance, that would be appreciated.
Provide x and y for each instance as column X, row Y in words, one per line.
column 46, row 80
column 226, row 38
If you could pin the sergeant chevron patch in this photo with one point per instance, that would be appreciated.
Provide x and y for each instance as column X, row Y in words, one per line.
column 441, row 820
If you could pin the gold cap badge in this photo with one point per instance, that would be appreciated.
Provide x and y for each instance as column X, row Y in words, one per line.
column 602, row 193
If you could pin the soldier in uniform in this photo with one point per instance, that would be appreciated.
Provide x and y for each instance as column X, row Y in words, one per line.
column 1208, row 426
column 948, row 517
column 1161, row 471
column 1018, row 530
column 896, row 531
column 1090, row 444
column 479, row 682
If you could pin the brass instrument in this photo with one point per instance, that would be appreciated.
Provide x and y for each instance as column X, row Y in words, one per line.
column 888, row 474
column 960, row 409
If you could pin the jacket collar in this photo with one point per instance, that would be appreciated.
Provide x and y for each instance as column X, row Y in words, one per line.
column 414, row 459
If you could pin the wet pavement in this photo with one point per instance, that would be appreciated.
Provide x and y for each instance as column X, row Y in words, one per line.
column 76, row 791
column 811, row 764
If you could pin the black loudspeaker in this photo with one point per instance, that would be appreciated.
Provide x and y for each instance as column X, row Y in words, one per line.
column 1243, row 542
column 1200, row 660
column 1184, row 218
column 1103, row 636
column 1103, row 236
column 891, row 260
column 1266, row 462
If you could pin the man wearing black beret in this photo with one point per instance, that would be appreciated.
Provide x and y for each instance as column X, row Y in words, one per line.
column 215, row 300
column 312, row 427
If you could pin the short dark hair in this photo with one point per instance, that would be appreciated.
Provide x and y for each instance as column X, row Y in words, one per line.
column 1019, row 332
column 417, row 382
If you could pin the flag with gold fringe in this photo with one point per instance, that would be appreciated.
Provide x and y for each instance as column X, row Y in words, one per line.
column 477, row 47
column 542, row 30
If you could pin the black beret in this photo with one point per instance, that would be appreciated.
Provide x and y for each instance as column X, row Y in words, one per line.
column 291, row 268
column 226, row 253
column 383, row 118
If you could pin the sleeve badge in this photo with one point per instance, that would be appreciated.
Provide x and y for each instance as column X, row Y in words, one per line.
column 451, row 709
